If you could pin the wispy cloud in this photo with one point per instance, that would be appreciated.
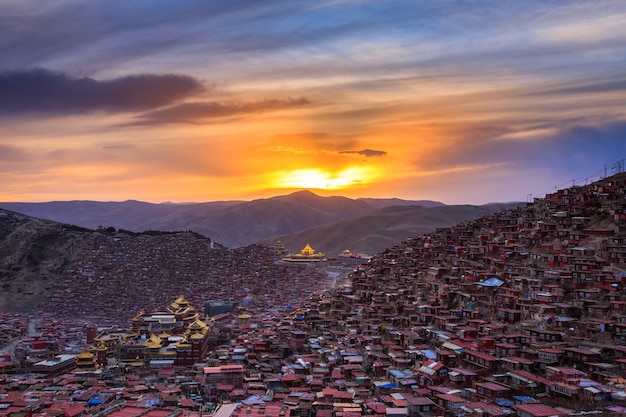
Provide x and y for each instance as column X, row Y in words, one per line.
column 11, row 154
column 120, row 147
column 588, row 88
column 565, row 150
column 201, row 112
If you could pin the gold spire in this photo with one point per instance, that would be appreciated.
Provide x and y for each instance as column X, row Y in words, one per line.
column 307, row 251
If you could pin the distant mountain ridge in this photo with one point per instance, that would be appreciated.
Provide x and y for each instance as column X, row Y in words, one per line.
column 376, row 231
column 328, row 223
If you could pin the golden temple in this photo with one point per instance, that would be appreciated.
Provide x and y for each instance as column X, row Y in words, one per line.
column 307, row 254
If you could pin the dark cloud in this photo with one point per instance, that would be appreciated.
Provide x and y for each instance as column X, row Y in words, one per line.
column 366, row 152
column 590, row 88
column 199, row 112
column 44, row 91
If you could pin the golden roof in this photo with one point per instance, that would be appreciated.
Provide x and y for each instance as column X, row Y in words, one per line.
column 84, row 355
column 180, row 302
column 306, row 254
column 308, row 250
column 244, row 316
column 186, row 311
column 181, row 309
column 153, row 342
column 139, row 315
column 197, row 324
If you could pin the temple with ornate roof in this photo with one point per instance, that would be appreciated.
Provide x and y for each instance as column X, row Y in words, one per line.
column 86, row 361
column 176, row 336
column 307, row 254
column 174, row 320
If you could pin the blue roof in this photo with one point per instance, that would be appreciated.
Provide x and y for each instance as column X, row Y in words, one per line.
column 524, row 399
column 429, row 354
column 503, row 402
column 252, row 400
column 396, row 373
column 491, row 282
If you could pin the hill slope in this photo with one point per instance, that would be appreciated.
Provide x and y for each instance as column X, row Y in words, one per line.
column 32, row 253
column 381, row 229
column 71, row 272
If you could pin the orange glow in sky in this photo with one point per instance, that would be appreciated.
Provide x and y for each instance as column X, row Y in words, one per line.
column 205, row 101
column 317, row 179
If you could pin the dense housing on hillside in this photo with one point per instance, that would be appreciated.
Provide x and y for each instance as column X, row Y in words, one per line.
column 519, row 313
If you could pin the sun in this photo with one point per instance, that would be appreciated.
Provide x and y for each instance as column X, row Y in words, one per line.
column 315, row 178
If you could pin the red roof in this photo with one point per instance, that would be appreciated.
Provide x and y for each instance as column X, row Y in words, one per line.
column 74, row 411
column 528, row 375
column 606, row 287
column 492, row 386
column 483, row 356
column 343, row 395
column 186, row 402
column 539, row 410
column 433, row 364
column 450, row 397
column 379, row 408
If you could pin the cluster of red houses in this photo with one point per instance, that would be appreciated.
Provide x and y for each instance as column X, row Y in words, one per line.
column 518, row 313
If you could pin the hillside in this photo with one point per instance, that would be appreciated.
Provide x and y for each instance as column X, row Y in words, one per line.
column 130, row 215
column 48, row 265
column 39, row 258
column 33, row 252
column 231, row 223
column 381, row 229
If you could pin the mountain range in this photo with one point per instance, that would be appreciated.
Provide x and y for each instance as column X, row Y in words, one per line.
column 329, row 224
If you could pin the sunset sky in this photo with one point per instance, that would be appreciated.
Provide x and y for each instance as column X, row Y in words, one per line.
column 181, row 101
